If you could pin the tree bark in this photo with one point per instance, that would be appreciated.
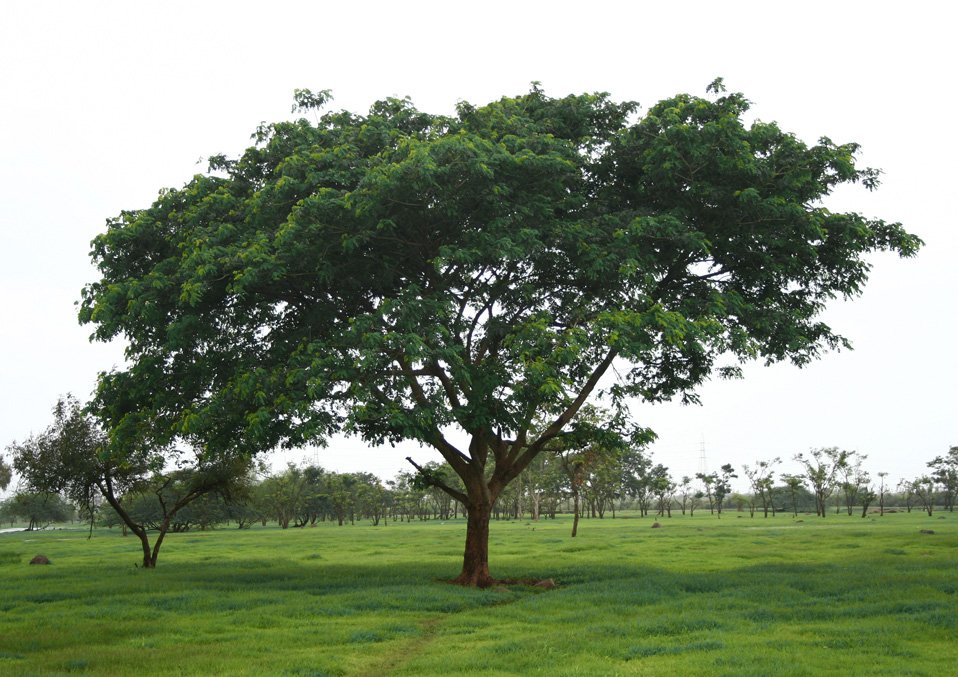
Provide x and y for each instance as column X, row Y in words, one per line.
column 575, row 510
column 148, row 561
column 475, row 559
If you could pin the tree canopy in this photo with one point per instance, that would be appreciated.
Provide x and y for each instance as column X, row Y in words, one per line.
column 398, row 275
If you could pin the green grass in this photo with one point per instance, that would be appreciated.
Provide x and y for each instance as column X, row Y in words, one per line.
column 735, row 596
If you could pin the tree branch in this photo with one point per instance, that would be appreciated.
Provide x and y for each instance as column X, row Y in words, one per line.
column 521, row 461
column 432, row 481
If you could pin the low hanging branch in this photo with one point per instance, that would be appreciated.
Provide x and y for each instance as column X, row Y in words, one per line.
column 430, row 479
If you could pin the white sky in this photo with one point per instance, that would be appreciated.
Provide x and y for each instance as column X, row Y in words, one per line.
column 104, row 103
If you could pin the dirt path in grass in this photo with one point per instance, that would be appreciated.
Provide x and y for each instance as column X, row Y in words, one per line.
column 396, row 659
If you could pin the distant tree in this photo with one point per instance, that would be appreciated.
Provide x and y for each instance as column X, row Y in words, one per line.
column 742, row 500
column 686, row 494
column 6, row 473
column 590, row 443
column 761, row 477
column 342, row 497
column 944, row 471
column 822, row 470
column 542, row 482
column 795, row 483
column 866, row 496
column 244, row 513
column 854, row 480
column 882, row 491
column 398, row 274
column 695, row 502
column 637, row 477
column 906, row 492
column 372, row 500
column 923, row 488
column 39, row 510
column 663, row 488
column 293, row 497
column 151, row 508
column 603, row 484
column 723, row 485
column 575, row 467
column 406, row 498
column 708, row 480
column 431, row 479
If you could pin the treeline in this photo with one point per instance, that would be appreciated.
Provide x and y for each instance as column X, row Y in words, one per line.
column 66, row 472
column 593, row 485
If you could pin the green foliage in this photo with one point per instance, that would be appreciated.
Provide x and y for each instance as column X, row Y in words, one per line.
column 944, row 471
column 396, row 274
column 73, row 457
column 822, row 468
column 37, row 509
column 6, row 473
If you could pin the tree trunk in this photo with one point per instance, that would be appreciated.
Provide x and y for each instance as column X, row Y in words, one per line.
column 475, row 559
column 575, row 510
column 148, row 561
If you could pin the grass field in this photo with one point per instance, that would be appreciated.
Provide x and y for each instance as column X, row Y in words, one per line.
column 700, row 596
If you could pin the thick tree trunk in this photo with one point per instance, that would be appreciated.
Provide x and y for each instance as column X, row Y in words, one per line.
column 475, row 559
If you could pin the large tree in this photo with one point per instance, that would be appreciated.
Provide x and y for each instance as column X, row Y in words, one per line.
column 401, row 275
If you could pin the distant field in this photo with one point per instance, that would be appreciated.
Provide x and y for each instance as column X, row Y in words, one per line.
column 700, row 596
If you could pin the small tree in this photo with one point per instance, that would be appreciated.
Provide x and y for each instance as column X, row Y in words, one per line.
column 822, row 468
column 603, row 485
column 882, row 491
column 589, row 444
column 663, row 488
column 854, row 480
column 761, row 478
column 866, row 496
column 923, row 488
column 709, row 480
column 637, row 477
column 686, row 494
column 795, row 483
column 723, row 486
column 73, row 457
column 907, row 493
column 542, row 482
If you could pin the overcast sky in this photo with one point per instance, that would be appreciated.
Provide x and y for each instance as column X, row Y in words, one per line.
column 104, row 103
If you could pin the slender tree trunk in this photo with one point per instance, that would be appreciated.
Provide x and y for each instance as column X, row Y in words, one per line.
column 575, row 510
column 148, row 561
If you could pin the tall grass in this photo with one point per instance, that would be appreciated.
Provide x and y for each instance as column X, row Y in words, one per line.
column 735, row 596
